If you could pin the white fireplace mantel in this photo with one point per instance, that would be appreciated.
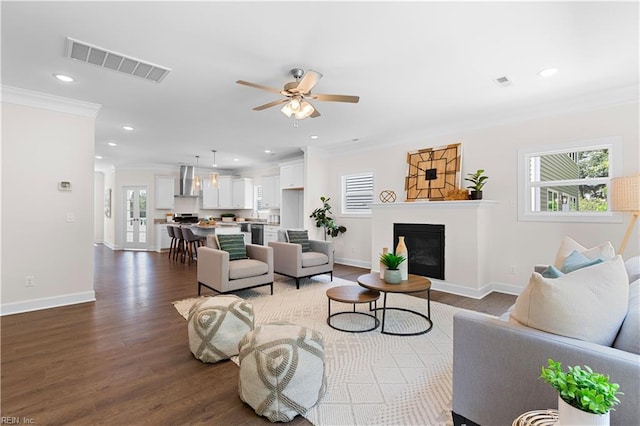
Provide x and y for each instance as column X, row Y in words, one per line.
column 461, row 204
column 467, row 238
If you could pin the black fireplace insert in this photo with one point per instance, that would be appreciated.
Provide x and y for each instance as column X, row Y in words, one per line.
column 425, row 245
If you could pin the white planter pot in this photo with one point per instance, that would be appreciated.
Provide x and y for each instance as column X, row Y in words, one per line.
column 571, row 416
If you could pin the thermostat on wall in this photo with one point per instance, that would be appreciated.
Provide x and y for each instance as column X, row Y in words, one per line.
column 64, row 186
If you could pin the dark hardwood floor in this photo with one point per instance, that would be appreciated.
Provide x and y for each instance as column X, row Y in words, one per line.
column 125, row 360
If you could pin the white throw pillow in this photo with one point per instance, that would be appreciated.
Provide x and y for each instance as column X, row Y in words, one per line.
column 604, row 251
column 588, row 304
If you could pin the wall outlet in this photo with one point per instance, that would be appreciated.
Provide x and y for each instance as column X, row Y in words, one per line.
column 29, row 281
column 512, row 269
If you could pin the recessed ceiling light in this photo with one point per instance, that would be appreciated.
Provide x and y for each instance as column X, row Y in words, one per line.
column 99, row 157
column 314, row 136
column 127, row 128
column 267, row 151
column 64, row 78
column 236, row 159
column 548, row 72
column 112, row 144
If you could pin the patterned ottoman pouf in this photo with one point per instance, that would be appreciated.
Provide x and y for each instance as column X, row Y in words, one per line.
column 282, row 370
column 216, row 325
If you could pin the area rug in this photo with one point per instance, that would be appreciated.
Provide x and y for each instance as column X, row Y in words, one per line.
column 373, row 379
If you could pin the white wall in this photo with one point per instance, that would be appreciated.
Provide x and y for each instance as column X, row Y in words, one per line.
column 98, row 207
column 514, row 243
column 46, row 233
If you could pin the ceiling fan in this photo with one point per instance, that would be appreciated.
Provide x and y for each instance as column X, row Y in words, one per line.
column 296, row 94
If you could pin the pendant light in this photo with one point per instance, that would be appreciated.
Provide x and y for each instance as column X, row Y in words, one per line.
column 213, row 176
column 196, row 180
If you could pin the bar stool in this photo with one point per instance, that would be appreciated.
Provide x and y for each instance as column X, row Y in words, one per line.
column 174, row 240
column 192, row 242
column 180, row 244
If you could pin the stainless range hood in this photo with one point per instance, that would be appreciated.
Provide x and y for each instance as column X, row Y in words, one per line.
column 187, row 183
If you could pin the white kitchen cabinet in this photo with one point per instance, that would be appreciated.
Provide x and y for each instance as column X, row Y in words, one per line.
column 210, row 198
column 165, row 188
column 271, row 192
column 270, row 234
column 242, row 193
column 292, row 176
column 163, row 241
column 224, row 192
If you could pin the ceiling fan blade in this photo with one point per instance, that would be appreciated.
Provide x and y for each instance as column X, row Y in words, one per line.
column 259, row 86
column 271, row 104
column 309, row 80
column 336, row 98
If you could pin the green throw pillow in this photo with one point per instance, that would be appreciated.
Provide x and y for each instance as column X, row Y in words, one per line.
column 577, row 260
column 300, row 237
column 234, row 244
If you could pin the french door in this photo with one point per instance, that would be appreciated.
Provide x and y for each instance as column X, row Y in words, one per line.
column 136, row 229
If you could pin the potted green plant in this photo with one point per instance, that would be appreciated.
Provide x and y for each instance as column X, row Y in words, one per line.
column 392, row 274
column 478, row 179
column 584, row 397
column 324, row 220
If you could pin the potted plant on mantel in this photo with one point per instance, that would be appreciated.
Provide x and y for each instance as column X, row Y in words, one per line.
column 478, row 179
column 392, row 274
column 584, row 397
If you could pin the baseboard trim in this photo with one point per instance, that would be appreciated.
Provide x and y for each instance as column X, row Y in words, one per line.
column 459, row 290
column 352, row 262
column 47, row 303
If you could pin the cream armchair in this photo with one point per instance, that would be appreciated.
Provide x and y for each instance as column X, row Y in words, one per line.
column 216, row 272
column 291, row 261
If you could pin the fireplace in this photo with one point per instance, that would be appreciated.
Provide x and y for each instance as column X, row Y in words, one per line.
column 425, row 244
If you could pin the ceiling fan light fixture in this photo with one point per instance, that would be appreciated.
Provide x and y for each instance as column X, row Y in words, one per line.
column 287, row 111
column 294, row 105
column 307, row 108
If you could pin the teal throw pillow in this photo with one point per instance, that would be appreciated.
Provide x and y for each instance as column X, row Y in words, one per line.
column 577, row 260
column 300, row 237
column 234, row 244
column 552, row 272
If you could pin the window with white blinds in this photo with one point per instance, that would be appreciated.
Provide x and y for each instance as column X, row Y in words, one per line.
column 258, row 197
column 357, row 193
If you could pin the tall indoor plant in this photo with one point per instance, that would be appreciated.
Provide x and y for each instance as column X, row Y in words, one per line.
column 323, row 219
column 584, row 397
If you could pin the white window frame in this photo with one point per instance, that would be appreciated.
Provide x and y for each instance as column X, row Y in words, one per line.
column 363, row 212
column 525, row 156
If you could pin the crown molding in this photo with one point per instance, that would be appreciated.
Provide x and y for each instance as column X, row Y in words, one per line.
column 30, row 98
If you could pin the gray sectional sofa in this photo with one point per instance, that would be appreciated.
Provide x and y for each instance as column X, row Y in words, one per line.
column 497, row 363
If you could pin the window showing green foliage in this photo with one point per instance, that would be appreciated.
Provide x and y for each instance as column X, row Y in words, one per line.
column 570, row 181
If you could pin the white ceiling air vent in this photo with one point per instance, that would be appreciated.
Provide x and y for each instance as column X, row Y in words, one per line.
column 104, row 58
column 503, row 81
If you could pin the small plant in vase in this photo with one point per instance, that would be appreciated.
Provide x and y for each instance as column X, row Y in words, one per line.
column 478, row 179
column 392, row 274
column 584, row 397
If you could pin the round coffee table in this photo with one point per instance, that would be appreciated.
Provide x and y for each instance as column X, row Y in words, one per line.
column 415, row 284
column 353, row 294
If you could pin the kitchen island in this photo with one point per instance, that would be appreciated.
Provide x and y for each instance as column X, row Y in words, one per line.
column 163, row 241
